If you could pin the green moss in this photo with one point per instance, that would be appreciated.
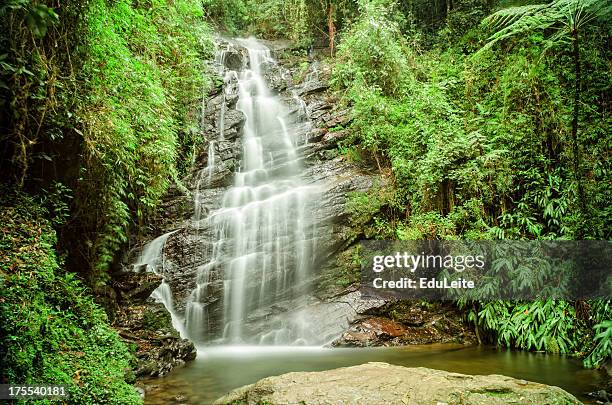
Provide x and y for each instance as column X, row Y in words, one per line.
column 497, row 394
column 156, row 319
column 345, row 273
column 52, row 331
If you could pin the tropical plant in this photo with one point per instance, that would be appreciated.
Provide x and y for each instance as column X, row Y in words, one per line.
column 568, row 18
column 601, row 315
column 373, row 52
column 52, row 330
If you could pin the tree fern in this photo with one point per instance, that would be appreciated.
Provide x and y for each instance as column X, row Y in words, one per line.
column 569, row 17
column 565, row 15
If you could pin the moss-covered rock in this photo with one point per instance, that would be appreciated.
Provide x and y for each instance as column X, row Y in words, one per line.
column 157, row 345
column 382, row 383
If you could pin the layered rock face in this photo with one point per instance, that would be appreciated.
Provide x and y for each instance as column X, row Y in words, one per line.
column 190, row 253
column 407, row 323
column 382, row 383
column 147, row 324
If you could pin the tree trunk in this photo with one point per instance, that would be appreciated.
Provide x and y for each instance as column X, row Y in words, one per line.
column 331, row 29
column 476, row 325
column 575, row 146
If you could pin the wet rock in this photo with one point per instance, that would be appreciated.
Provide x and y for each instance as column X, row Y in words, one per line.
column 141, row 392
column 159, row 347
column 311, row 135
column 234, row 119
column 175, row 209
column 135, row 286
column 216, row 85
column 313, row 86
column 403, row 322
column 277, row 77
column 384, row 327
column 220, row 109
column 234, row 58
column 371, row 332
column 338, row 118
column 601, row 396
column 333, row 137
column 382, row 383
column 317, row 105
column 140, row 268
column 328, row 318
column 166, row 355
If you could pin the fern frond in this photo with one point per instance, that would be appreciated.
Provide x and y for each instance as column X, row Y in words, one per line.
column 503, row 18
column 569, row 15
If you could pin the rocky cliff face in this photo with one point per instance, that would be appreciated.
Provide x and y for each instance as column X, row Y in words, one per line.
column 318, row 130
column 191, row 246
column 335, row 315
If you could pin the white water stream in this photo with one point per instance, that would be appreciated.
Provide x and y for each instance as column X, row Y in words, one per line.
column 262, row 243
column 153, row 256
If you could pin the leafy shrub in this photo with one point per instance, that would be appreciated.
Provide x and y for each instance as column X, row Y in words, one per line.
column 372, row 52
column 104, row 98
column 601, row 350
column 232, row 15
column 52, row 331
column 143, row 77
column 481, row 146
column 539, row 325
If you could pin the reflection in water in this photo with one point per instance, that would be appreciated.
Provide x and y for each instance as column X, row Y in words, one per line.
column 219, row 370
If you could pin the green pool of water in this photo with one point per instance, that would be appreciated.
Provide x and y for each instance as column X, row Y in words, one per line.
column 218, row 370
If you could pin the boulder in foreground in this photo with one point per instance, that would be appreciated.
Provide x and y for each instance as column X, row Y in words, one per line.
column 382, row 383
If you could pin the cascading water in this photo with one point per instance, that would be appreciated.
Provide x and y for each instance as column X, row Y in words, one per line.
column 263, row 231
column 153, row 257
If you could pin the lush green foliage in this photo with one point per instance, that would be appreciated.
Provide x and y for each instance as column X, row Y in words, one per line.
column 601, row 350
column 483, row 131
column 484, row 145
column 143, row 77
column 103, row 97
column 372, row 53
column 36, row 83
column 52, row 331
column 538, row 325
column 568, row 16
column 299, row 20
column 100, row 113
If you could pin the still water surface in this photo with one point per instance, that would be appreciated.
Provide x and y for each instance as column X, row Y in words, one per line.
column 219, row 370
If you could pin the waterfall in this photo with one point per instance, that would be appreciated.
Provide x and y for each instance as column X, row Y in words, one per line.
column 251, row 277
column 153, row 256
column 263, row 245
